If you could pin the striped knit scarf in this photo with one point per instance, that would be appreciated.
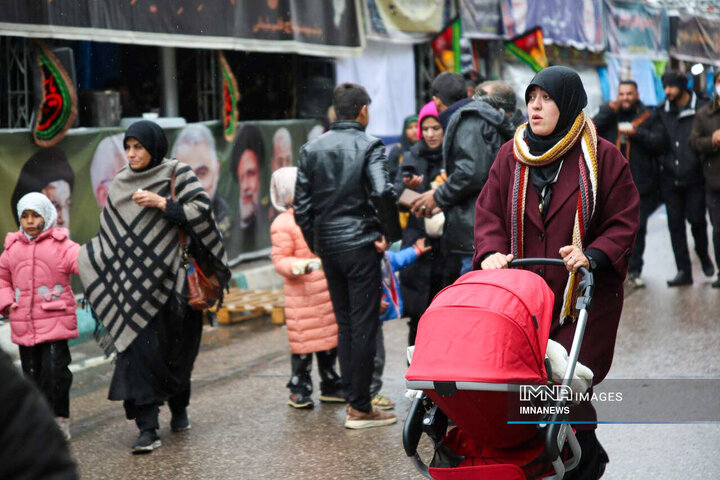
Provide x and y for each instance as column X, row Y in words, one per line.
column 584, row 130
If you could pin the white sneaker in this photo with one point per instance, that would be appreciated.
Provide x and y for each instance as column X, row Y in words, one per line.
column 635, row 281
column 64, row 424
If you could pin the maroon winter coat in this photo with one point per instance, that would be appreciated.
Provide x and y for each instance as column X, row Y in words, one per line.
column 612, row 231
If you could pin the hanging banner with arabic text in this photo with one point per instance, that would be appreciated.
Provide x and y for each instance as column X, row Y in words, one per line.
column 328, row 28
column 571, row 23
column 698, row 40
column 636, row 30
column 482, row 19
column 56, row 100
column 406, row 21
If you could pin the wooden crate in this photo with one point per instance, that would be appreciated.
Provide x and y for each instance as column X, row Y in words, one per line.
column 240, row 305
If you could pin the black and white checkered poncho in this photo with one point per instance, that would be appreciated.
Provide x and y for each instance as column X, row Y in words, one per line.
column 133, row 267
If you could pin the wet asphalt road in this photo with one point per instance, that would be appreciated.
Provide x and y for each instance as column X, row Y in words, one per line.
column 242, row 427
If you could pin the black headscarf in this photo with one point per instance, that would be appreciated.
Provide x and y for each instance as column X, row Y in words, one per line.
column 152, row 137
column 405, row 142
column 566, row 89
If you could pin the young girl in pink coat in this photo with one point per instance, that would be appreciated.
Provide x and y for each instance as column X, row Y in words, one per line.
column 309, row 313
column 35, row 293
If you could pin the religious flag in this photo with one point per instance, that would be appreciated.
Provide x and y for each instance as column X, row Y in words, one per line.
column 529, row 48
column 56, row 104
column 231, row 95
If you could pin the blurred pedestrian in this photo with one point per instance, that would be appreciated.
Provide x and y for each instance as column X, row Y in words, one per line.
column 681, row 180
column 705, row 139
column 35, row 294
column 623, row 122
column 391, row 307
column 421, row 171
column 135, row 280
column 309, row 317
column 558, row 190
column 31, row 445
column 471, row 140
column 344, row 204
column 408, row 138
column 501, row 96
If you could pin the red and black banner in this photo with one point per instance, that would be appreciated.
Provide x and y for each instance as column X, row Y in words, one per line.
column 231, row 96
column 56, row 100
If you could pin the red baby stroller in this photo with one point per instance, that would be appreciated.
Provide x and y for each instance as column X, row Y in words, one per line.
column 479, row 345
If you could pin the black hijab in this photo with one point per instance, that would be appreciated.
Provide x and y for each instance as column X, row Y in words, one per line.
column 152, row 137
column 566, row 89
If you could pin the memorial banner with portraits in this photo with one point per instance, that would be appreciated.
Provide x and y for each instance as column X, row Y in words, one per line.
column 77, row 172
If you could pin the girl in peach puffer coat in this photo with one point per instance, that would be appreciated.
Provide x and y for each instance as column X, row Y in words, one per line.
column 308, row 311
column 35, row 293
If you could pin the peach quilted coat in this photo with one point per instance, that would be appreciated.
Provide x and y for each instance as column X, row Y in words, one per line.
column 308, row 311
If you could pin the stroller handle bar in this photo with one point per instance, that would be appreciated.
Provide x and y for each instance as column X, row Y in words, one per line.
column 557, row 433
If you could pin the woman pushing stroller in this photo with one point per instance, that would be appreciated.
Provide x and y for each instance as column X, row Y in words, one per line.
column 558, row 189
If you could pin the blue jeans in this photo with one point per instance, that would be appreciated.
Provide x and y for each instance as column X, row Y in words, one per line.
column 465, row 264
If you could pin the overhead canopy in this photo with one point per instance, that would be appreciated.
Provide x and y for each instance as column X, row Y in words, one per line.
column 330, row 28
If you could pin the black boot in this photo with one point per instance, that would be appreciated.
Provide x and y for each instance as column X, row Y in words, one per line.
column 682, row 278
column 716, row 283
column 707, row 266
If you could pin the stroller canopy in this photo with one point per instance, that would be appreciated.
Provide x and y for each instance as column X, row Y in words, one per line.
column 489, row 326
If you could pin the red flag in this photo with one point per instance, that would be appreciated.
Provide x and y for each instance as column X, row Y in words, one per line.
column 529, row 48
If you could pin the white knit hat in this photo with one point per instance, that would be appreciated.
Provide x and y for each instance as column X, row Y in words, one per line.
column 40, row 204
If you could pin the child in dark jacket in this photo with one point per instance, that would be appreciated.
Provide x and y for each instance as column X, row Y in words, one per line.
column 391, row 306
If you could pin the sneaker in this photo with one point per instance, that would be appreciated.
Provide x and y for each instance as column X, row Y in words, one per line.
column 146, row 442
column 338, row 396
column 707, row 266
column 64, row 424
column 356, row 419
column 298, row 400
column 381, row 402
column 180, row 422
column 682, row 278
column 635, row 281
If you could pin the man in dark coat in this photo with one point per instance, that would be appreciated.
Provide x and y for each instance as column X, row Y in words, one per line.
column 344, row 205
column 681, row 177
column 31, row 445
column 472, row 138
column 622, row 122
column 705, row 140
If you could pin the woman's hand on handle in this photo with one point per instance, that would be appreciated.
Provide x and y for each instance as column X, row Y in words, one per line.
column 496, row 261
column 574, row 258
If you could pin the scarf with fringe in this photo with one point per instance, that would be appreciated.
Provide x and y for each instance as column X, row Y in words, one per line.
column 583, row 130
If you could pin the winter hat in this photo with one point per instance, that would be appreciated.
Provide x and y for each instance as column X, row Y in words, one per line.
column 675, row 79
column 282, row 188
column 40, row 204
column 428, row 110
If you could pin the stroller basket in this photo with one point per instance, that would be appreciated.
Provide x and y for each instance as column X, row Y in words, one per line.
column 479, row 342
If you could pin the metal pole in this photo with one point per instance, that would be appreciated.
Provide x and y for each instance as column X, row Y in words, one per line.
column 169, row 82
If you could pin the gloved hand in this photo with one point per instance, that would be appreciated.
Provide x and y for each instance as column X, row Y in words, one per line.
column 558, row 356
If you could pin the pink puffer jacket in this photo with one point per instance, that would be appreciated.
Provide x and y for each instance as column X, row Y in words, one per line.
column 35, row 278
column 308, row 311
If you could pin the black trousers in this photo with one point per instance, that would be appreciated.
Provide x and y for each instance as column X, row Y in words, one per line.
column 47, row 365
column 301, row 365
column 712, row 198
column 378, row 363
column 146, row 415
column 354, row 282
column 649, row 202
column 686, row 203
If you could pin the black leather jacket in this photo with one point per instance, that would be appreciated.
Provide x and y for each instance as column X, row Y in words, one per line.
column 343, row 197
column 472, row 139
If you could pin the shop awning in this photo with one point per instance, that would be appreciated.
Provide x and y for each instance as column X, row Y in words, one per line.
column 328, row 28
